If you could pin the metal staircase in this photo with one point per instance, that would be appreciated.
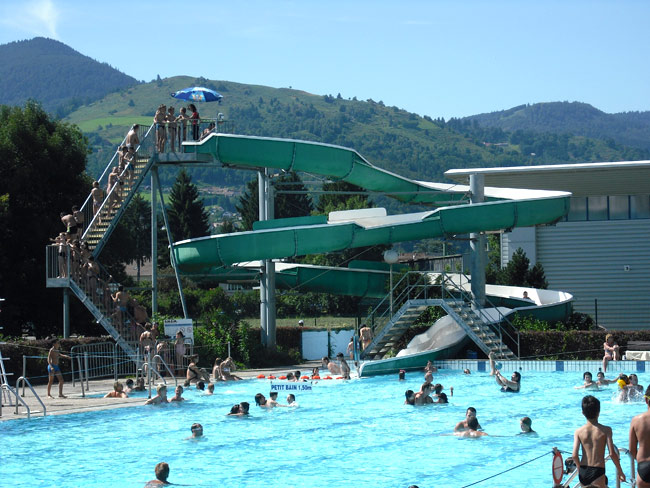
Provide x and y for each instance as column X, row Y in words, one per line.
column 414, row 293
column 94, row 290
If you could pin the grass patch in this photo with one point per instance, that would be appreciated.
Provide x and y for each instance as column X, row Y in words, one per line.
column 92, row 124
column 317, row 322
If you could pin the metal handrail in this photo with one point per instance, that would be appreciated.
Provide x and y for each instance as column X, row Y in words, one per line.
column 26, row 381
column 513, row 334
column 164, row 363
column 574, row 473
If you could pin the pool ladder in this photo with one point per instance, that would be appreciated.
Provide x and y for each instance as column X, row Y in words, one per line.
column 14, row 393
column 631, row 479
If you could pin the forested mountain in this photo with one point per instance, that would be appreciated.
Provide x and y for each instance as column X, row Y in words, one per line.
column 388, row 137
column 54, row 74
column 628, row 128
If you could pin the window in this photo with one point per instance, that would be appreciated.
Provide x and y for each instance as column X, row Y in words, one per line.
column 597, row 208
column 640, row 206
column 577, row 209
column 619, row 207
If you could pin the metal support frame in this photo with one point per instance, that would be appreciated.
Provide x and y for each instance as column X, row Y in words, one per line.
column 154, row 173
column 267, row 271
column 478, row 243
column 66, row 312
column 154, row 243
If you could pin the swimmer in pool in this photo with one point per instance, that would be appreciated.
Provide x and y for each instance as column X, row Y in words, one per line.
column 464, row 424
column 602, row 381
column 472, row 429
column 422, row 397
column 588, row 381
column 178, row 395
column 441, row 398
column 640, row 444
column 291, row 400
column 197, row 431
column 345, row 369
column 410, row 397
column 162, row 473
column 262, row 402
column 330, row 366
column 525, row 425
column 592, row 438
column 161, row 396
column 118, row 391
column 511, row 385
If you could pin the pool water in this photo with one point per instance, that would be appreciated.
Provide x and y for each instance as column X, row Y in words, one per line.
column 357, row 432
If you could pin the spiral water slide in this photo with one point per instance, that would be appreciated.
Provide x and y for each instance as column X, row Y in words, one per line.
column 503, row 208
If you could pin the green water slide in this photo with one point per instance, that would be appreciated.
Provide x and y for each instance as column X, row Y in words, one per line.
column 503, row 207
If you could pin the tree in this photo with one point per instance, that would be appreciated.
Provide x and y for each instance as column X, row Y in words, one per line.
column 517, row 272
column 186, row 213
column 286, row 205
column 42, row 164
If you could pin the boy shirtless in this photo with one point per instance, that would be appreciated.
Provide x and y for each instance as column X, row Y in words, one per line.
column 330, row 366
column 54, row 369
column 640, row 444
column 98, row 197
column 472, row 429
column 161, row 396
column 593, row 437
column 464, row 424
column 132, row 140
column 365, row 335
column 118, row 391
column 345, row 369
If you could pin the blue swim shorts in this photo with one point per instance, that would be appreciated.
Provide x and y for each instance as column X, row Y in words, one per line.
column 53, row 368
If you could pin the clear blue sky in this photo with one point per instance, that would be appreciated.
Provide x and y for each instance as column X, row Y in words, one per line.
column 446, row 58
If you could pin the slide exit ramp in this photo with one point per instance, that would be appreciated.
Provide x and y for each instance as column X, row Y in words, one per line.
column 504, row 208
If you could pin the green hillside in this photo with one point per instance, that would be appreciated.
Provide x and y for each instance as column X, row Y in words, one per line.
column 630, row 128
column 388, row 136
column 54, row 74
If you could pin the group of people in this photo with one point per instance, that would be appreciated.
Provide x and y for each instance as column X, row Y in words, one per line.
column 173, row 128
column 629, row 388
column 272, row 402
column 342, row 369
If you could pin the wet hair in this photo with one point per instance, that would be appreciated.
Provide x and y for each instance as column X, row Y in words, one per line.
column 129, row 382
column 590, row 407
column 290, row 376
column 339, row 355
column 297, row 375
column 244, row 406
column 200, row 385
column 293, row 397
column 438, row 389
column 196, row 426
column 117, row 386
column 234, row 409
column 600, row 373
column 273, row 395
column 162, row 471
column 442, row 398
column 584, row 375
column 471, row 409
column 326, row 359
column 472, row 423
column 258, row 399
column 409, row 395
column 402, row 374
column 527, row 421
column 647, row 393
column 518, row 376
column 160, row 388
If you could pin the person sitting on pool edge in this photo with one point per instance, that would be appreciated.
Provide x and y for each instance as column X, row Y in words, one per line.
column 525, row 425
column 612, row 351
column 463, row 424
column 118, row 391
column 194, row 373
column 511, row 385
column 162, row 473
column 589, row 382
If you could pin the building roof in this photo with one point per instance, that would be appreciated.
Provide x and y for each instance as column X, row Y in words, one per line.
column 586, row 179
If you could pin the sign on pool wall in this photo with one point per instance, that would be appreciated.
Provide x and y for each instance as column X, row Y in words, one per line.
column 291, row 386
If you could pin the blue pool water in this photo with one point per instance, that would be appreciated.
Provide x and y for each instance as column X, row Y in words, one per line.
column 355, row 433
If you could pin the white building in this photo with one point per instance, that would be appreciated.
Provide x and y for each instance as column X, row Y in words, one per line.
column 600, row 252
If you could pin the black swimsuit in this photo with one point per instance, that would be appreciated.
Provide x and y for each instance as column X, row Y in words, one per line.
column 643, row 470
column 589, row 474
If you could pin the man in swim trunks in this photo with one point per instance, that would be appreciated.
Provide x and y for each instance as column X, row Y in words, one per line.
column 98, row 197
column 70, row 224
column 132, row 140
column 640, row 444
column 593, row 437
column 262, row 402
column 54, row 369
column 422, row 397
column 365, row 335
column 464, row 424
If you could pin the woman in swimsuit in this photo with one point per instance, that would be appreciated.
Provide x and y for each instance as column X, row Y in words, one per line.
column 195, row 121
column 612, row 352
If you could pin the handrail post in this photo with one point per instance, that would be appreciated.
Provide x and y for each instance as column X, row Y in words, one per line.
column 24, row 373
column 86, row 368
column 115, row 362
column 81, row 378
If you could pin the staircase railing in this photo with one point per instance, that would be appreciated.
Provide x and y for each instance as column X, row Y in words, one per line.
column 144, row 150
column 502, row 326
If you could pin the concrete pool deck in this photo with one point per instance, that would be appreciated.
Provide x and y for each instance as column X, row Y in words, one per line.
column 93, row 400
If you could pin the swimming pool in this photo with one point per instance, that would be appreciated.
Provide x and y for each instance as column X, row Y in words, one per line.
column 356, row 432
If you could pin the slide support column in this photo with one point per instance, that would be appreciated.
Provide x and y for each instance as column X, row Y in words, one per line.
column 478, row 243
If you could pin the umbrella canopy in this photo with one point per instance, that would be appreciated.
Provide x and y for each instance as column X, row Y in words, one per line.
column 198, row 94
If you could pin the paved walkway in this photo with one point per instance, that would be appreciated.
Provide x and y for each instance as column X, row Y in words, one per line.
column 93, row 399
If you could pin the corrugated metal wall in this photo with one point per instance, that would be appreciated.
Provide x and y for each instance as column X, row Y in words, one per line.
column 608, row 261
